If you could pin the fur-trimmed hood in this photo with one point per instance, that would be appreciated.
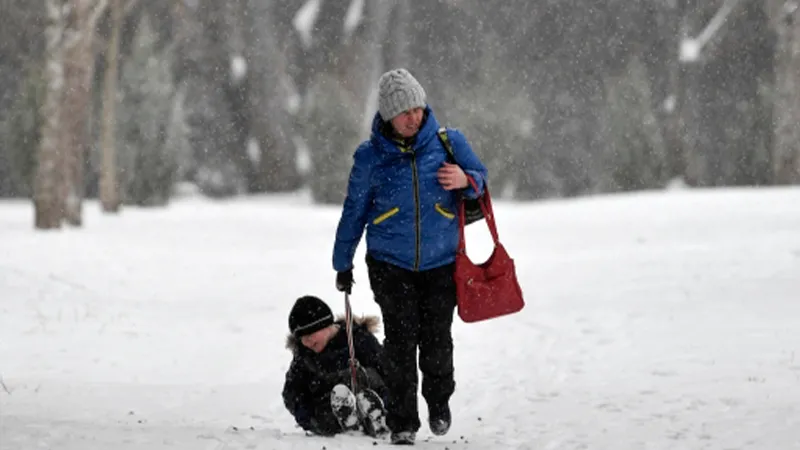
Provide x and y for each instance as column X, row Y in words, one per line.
column 370, row 323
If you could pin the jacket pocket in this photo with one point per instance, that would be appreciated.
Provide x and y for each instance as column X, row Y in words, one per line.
column 386, row 215
column 444, row 211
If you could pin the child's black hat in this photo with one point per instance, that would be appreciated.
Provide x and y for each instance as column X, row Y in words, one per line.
column 309, row 314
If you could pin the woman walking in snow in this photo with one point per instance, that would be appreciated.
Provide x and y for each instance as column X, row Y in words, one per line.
column 404, row 190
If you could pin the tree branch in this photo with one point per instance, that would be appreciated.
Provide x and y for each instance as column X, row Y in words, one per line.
column 691, row 48
column 716, row 22
column 99, row 9
column 129, row 5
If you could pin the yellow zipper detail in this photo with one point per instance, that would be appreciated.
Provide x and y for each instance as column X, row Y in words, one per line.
column 443, row 211
column 386, row 215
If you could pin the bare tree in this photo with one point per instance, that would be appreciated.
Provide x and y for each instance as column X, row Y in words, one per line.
column 48, row 203
column 65, row 137
column 78, row 75
column 21, row 72
column 344, row 67
column 727, row 60
column 677, row 31
column 786, row 151
column 109, row 185
column 270, row 123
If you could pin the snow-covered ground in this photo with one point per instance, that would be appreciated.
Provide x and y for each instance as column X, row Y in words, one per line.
column 654, row 321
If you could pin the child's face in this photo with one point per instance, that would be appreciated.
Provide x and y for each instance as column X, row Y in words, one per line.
column 317, row 340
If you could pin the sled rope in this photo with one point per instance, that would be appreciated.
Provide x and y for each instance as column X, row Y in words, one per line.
column 348, row 317
column 3, row 385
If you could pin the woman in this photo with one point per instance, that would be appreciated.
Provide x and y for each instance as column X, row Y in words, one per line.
column 405, row 192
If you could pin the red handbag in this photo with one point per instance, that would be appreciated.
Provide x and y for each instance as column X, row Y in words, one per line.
column 488, row 290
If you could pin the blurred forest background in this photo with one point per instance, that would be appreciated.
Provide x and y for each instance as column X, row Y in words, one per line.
column 123, row 100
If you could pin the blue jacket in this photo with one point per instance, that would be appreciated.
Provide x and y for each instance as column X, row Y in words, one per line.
column 394, row 192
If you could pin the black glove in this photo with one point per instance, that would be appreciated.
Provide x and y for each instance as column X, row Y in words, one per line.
column 344, row 281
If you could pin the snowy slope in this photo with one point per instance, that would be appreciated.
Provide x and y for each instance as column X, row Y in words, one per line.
column 654, row 321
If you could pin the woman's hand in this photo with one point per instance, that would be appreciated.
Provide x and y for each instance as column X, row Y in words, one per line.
column 452, row 177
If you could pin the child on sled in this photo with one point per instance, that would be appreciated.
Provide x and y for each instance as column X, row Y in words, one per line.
column 318, row 389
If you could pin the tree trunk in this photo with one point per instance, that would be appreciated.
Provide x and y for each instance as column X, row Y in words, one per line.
column 690, row 120
column 344, row 74
column 270, row 124
column 786, row 151
column 78, row 71
column 109, row 186
column 675, row 101
column 48, row 202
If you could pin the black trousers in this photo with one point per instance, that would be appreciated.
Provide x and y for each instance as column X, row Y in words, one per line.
column 323, row 420
column 417, row 309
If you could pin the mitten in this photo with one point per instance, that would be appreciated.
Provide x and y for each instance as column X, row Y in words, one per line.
column 344, row 281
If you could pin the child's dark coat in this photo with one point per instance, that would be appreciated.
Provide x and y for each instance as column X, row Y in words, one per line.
column 312, row 376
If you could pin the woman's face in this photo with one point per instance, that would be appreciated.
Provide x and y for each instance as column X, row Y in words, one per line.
column 407, row 123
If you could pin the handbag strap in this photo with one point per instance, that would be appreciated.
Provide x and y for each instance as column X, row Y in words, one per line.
column 442, row 132
column 485, row 202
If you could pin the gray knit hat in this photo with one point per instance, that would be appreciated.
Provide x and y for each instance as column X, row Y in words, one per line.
column 399, row 91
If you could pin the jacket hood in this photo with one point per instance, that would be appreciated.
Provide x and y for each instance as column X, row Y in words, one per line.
column 370, row 323
column 427, row 132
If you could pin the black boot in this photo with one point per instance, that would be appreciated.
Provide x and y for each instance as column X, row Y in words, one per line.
column 403, row 438
column 343, row 404
column 372, row 412
column 439, row 419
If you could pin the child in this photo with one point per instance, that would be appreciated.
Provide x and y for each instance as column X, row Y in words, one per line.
column 318, row 389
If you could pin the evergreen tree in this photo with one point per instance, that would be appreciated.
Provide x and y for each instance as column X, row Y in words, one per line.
column 147, row 165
